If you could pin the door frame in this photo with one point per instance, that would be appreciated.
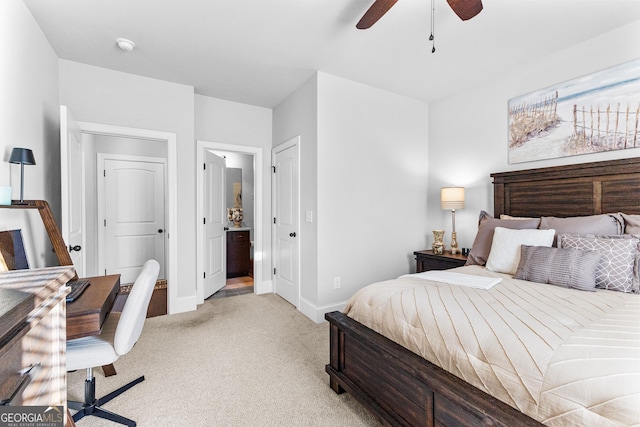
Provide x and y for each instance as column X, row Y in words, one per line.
column 174, row 304
column 66, row 118
column 293, row 142
column 102, row 157
column 258, row 252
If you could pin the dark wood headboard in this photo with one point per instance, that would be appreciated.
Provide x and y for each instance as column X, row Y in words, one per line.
column 571, row 190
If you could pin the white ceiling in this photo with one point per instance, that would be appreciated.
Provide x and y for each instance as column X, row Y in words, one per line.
column 259, row 51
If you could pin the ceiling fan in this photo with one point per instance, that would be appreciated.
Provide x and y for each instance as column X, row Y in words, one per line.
column 465, row 9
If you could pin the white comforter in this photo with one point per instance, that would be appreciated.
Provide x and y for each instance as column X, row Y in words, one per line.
column 562, row 356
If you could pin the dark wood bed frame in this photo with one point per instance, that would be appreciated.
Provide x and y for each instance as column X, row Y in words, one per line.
column 403, row 389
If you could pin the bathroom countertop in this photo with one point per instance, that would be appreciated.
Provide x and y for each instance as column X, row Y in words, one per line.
column 239, row 229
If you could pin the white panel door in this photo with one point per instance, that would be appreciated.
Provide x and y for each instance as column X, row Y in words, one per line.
column 134, row 222
column 286, row 261
column 72, row 188
column 213, row 224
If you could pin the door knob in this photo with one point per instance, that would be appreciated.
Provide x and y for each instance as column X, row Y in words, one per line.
column 160, row 230
column 292, row 234
column 76, row 248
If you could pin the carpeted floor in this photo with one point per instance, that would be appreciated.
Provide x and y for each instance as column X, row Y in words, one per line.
column 242, row 361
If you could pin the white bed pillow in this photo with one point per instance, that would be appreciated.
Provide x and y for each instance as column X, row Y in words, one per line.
column 505, row 248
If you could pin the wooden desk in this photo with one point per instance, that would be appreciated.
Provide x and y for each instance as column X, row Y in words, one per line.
column 32, row 326
column 86, row 315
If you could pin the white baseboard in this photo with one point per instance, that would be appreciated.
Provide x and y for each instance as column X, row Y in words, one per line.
column 316, row 313
column 182, row 305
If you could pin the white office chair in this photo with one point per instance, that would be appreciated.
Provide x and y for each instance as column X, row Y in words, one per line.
column 119, row 334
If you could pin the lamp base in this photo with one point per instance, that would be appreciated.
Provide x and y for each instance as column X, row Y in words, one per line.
column 454, row 243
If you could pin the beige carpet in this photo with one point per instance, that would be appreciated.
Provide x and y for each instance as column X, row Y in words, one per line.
column 241, row 361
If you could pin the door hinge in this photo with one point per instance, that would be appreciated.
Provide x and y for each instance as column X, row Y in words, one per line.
column 104, row 172
column 204, row 166
column 274, row 271
column 204, row 220
column 204, row 275
column 274, row 169
column 274, row 220
column 105, row 222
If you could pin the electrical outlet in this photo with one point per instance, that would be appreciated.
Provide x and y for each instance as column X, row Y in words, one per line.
column 309, row 216
column 336, row 283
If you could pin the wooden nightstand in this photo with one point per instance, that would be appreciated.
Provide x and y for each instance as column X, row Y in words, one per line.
column 426, row 260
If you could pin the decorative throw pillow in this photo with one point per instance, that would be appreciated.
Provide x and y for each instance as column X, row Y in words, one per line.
column 569, row 268
column 505, row 249
column 631, row 224
column 486, row 224
column 618, row 268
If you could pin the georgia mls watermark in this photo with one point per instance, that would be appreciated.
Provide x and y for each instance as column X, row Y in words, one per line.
column 31, row 416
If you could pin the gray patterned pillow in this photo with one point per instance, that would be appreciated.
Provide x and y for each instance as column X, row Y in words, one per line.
column 569, row 268
column 618, row 269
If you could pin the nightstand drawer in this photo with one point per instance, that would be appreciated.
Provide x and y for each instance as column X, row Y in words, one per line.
column 426, row 260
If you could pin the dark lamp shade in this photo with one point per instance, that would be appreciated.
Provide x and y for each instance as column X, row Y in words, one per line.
column 22, row 156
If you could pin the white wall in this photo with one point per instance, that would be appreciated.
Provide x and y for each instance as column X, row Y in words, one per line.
column 298, row 116
column 468, row 132
column 99, row 95
column 227, row 122
column 30, row 118
column 363, row 174
column 372, row 185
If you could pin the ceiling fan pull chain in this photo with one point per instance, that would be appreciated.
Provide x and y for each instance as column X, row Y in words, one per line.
column 431, row 37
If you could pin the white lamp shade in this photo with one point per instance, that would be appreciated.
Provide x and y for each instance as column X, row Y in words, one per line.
column 452, row 197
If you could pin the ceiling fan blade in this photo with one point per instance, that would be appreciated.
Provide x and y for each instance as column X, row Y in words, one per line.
column 466, row 9
column 375, row 12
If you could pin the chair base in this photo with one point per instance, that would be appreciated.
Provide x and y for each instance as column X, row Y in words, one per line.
column 92, row 406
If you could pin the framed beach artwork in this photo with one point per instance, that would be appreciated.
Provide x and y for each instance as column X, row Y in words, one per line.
column 595, row 113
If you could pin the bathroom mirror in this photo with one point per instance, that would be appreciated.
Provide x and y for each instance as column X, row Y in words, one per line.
column 234, row 188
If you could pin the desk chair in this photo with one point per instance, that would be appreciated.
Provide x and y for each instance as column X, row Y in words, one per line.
column 119, row 334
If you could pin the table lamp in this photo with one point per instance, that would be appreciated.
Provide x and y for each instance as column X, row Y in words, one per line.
column 22, row 156
column 452, row 198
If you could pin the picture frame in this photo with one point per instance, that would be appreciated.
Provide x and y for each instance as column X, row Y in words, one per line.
column 594, row 113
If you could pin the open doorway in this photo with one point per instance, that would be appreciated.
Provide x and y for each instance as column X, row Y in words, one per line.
column 241, row 259
column 160, row 144
column 239, row 203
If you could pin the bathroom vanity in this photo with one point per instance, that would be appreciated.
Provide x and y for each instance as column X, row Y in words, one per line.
column 238, row 252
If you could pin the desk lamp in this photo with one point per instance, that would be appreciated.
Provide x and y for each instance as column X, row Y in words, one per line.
column 452, row 198
column 22, row 156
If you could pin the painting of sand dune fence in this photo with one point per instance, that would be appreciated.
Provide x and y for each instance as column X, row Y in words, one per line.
column 591, row 114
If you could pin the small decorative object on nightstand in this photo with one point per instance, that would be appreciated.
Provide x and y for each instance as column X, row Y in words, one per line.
column 427, row 260
column 438, row 246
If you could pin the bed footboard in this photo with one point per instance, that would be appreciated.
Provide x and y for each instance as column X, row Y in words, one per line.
column 403, row 389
